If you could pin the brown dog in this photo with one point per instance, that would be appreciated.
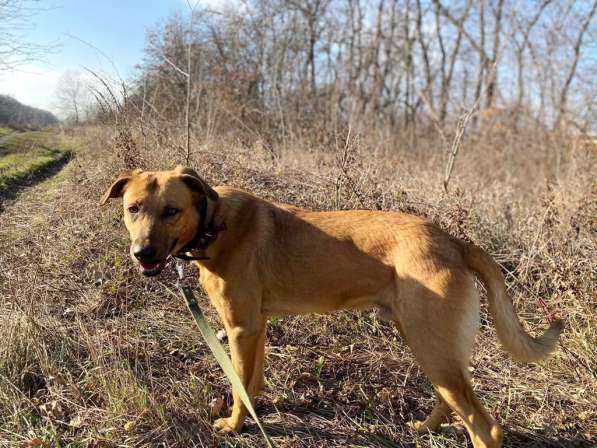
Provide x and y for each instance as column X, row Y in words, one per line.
column 261, row 259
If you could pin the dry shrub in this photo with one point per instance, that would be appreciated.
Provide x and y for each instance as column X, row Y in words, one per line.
column 93, row 354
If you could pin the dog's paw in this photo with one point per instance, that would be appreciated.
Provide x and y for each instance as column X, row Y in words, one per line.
column 226, row 425
column 423, row 427
column 420, row 426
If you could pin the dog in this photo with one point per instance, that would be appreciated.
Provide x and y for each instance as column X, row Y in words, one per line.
column 259, row 259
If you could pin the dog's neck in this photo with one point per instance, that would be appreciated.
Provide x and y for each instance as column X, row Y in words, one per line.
column 206, row 234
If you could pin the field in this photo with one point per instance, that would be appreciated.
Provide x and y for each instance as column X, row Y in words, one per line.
column 93, row 355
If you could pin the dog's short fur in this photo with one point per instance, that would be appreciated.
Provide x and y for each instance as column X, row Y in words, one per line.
column 275, row 259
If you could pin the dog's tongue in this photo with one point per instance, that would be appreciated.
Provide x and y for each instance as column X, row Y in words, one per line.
column 149, row 266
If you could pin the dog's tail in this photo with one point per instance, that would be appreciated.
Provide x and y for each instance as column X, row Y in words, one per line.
column 511, row 334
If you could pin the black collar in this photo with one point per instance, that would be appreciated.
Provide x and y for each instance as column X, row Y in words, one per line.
column 207, row 233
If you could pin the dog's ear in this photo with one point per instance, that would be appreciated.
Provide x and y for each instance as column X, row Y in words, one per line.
column 190, row 177
column 116, row 190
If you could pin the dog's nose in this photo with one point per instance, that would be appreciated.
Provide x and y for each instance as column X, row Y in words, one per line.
column 143, row 253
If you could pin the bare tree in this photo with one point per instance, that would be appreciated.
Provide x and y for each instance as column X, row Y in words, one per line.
column 281, row 68
column 15, row 20
column 577, row 47
column 491, row 61
column 521, row 42
column 312, row 12
column 73, row 97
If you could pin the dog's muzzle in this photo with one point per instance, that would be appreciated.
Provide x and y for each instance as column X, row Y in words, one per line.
column 151, row 269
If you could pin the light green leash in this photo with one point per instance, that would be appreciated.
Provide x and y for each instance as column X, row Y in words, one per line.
column 218, row 350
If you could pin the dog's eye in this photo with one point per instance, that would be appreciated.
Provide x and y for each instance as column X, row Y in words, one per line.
column 133, row 209
column 170, row 211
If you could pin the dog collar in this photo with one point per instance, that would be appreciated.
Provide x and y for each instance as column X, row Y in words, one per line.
column 206, row 234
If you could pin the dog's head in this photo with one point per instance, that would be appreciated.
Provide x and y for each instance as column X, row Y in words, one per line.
column 161, row 212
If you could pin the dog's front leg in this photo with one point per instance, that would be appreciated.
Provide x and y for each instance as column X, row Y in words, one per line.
column 247, row 346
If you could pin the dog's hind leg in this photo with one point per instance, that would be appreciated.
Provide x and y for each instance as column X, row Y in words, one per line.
column 456, row 389
column 440, row 414
column 441, row 411
column 439, row 318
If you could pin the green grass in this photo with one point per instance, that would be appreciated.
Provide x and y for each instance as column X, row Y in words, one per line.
column 16, row 167
column 26, row 154
column 25, row 141
column 5, row 131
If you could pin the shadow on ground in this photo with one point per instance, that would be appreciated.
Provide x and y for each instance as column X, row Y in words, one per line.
column 544, row 439
column 512, row 439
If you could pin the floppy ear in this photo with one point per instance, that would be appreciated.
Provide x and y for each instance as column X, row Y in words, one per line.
column 117, row 188
column 196, row 183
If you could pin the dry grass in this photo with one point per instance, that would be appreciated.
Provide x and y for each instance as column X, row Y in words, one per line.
column 91, row 354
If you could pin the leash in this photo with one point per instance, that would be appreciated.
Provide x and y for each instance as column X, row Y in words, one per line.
column 216, row 348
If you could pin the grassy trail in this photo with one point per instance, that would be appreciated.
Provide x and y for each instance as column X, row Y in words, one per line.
column 27, row 158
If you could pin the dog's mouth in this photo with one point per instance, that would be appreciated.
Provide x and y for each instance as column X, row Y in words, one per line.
column 153, row 268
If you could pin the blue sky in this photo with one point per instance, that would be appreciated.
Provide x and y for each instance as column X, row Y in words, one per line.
column 117, row 28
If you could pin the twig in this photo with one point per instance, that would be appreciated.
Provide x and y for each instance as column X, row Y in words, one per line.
column 175, row 67
column 188, row 105
column 456, row 143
